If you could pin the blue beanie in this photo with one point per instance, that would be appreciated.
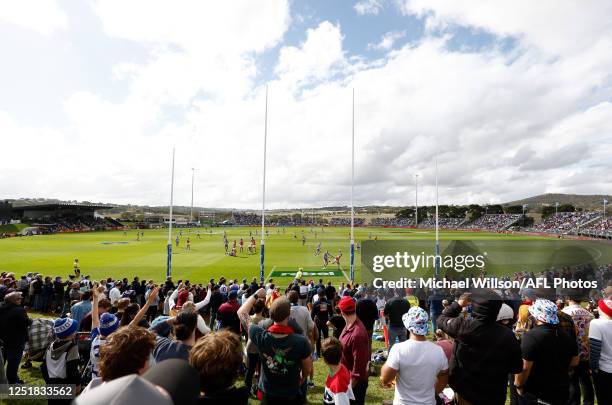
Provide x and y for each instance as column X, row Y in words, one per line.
column 160, row 326
column 64, row 327
column 108, row 324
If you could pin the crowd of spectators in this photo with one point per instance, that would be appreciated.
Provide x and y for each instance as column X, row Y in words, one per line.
column 391, row 221
column 443, row 223
column 494, row 222
column 601, row 226
column 566, row 222
column 346, row 221
column 183, row 342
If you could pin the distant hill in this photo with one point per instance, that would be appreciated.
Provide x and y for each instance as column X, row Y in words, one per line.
column 586, row 202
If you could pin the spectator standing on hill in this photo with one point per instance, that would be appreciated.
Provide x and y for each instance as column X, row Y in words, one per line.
column 284, row 355
column 81, row 308
column 395, row 308
column 228, row 313
column 355, row 349
column 218, row 357
column 184, row 326
column 367, row 313
column 600, row 339
column 216, row 300
column 548, row 354
column 61, row 361
column 320, row 315
column 485, row 352
column 115, row 294
column 251, row 349
column 419, row 367
column 14, row 323
column 338, row 390
column 580, row 376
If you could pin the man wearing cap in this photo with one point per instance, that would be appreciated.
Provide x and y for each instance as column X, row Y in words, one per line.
column 285, row 355
column 14, row 323
column 548, row 353
column 419, row 367
column 600, row 359
column 485, row 352
column 355, row 349
column 228, row 313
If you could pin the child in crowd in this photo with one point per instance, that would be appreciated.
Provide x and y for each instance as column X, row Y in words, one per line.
column 338, row 390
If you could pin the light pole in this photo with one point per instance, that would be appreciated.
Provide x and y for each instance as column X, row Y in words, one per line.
column 556, row 208
column 524, row 208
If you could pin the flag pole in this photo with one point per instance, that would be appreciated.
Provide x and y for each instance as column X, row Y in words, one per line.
column 352, row 265
column 263, row 197
column 437, row 268
column 169, row 247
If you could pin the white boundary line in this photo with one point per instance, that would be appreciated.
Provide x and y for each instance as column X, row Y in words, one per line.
column 269, row 274
column 345, row 276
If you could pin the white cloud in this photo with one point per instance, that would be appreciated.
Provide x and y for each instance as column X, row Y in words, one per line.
column 388, row 40
column 506, row 124
column 44, row 16
column 368, row 7
column 555, row 27
column 315, row 59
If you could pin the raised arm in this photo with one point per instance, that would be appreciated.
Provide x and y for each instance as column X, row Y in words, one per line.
column 173, row 297
column 205, row 301
column 245, row 309
column 450, row 321
column 145, row 307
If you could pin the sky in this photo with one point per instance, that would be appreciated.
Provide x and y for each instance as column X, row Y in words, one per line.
column 512, row 98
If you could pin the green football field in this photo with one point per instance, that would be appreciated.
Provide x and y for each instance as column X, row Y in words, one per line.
column 115, row 254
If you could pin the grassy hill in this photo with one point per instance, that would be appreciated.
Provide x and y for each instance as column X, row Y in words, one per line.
column 586, row 202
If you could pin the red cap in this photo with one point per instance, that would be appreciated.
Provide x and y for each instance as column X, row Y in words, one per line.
column 347, row 304
column 606, row 307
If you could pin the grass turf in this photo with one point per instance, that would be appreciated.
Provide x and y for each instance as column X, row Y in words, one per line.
column 115, row 254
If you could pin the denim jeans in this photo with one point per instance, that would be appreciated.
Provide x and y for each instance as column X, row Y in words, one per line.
column 396, row 332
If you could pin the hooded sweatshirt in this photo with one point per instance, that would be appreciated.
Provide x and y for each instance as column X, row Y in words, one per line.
column 61, row 363
column 484, row 353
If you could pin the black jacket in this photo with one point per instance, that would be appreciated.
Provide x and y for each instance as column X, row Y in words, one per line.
column 367, row 312
column 484, row 353
column 14, row 323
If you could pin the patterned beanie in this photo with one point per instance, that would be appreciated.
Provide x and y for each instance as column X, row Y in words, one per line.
column 416, row 321
column 64, row 327
column 108, row 324
column 544, row 311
